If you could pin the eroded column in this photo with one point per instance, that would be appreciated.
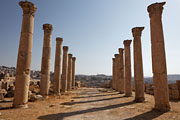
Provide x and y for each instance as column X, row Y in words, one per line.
column 128, row 88
column 57, row 66
column 117, row 72
column 121, row 73
column 46, row 59
column 69, row 78
column 138, row 64
column 161, row 93
column 23, row 68
column 64, row 69
column 113, row 73
column 73, row 71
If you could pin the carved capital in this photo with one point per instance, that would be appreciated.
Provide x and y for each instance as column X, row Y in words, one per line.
column 127, row 42
column 58, row 39
column 74, row 58
column 121, row 50
column 116, row 55
column 47, row 28
column 113, row 59
column 65, row 48
column 70, row 55
column 156, row 9
column 28, row 7
column 137, row 31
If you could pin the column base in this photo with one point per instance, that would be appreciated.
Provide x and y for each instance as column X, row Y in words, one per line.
column 162, row 109
column 21, row 106
column 121, row 92
column 139, row 100
column 128, row 95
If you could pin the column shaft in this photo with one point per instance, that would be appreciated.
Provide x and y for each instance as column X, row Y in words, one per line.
column 161, row 91
column 46, row 59
column 73, row 71
column 69, row 78
column 23, row 68
column 64, row 69
column 121, row 73
column 57, row 66
column 128, row 88
column 138, row 65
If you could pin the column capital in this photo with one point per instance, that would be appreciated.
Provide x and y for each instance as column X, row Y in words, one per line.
column 74, row 58
column 65, row 48
column 127, row 42
column 137, row 31
column 47, row 27
column 113, row 59
column 121, row 50
column 156, row 9
column 116, row 55
column 28, row 7
column 58, row 39
column 70, row 55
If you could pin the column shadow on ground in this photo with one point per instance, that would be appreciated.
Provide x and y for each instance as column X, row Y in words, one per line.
column 150, row 115
column 61, row 116
column 95, row 96
column 73, row 103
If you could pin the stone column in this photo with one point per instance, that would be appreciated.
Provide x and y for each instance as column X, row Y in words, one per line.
column 138, row 65
column 161, row 93
column 121, row 73
column 57, row 66
column 117, row 72
column 69, row 77
column 113, row 73
column 46, row 59
column 64, row 70
column 23, row 68
column 128, row 88
column 73, row 71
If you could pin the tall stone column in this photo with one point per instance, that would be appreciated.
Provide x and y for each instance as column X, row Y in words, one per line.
column 23, row 68
column 46, row 59
column 121, row 73
column 138, row 65
column 113, row 73
column 73, row 71
column 69, row 77
column 161, row 93
column 117, row 72
column 128, row 88
column 57, row 66
column 64, row 69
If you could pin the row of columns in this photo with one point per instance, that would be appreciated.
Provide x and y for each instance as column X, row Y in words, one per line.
column 23, row 68
column 121, row 71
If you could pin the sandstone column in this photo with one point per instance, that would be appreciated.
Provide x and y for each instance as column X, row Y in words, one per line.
column 69, row 76
column 57, row 66
column 121, row 73
column 117, row 72
column 138, row 65
column 73, row 71
column 64, row 69
column 161, row 93
column 23, row 68
column 113, row 73
column 128, row 88
column 46, row 59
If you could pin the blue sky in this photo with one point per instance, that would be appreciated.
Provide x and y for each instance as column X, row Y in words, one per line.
column 93, row 30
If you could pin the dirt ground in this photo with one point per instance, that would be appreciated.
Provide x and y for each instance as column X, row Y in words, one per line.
column 89, row 104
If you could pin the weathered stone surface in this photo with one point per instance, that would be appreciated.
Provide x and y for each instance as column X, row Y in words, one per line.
column 57, row 67
column 117, row 71
column 46, row 59
column 64, row 69
column 24, row 55
column 121, row 73
column 128, row 87
column 138, row 65
column 73, row 71
column 161, row 93
column 113, row 73
column 69, row 76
